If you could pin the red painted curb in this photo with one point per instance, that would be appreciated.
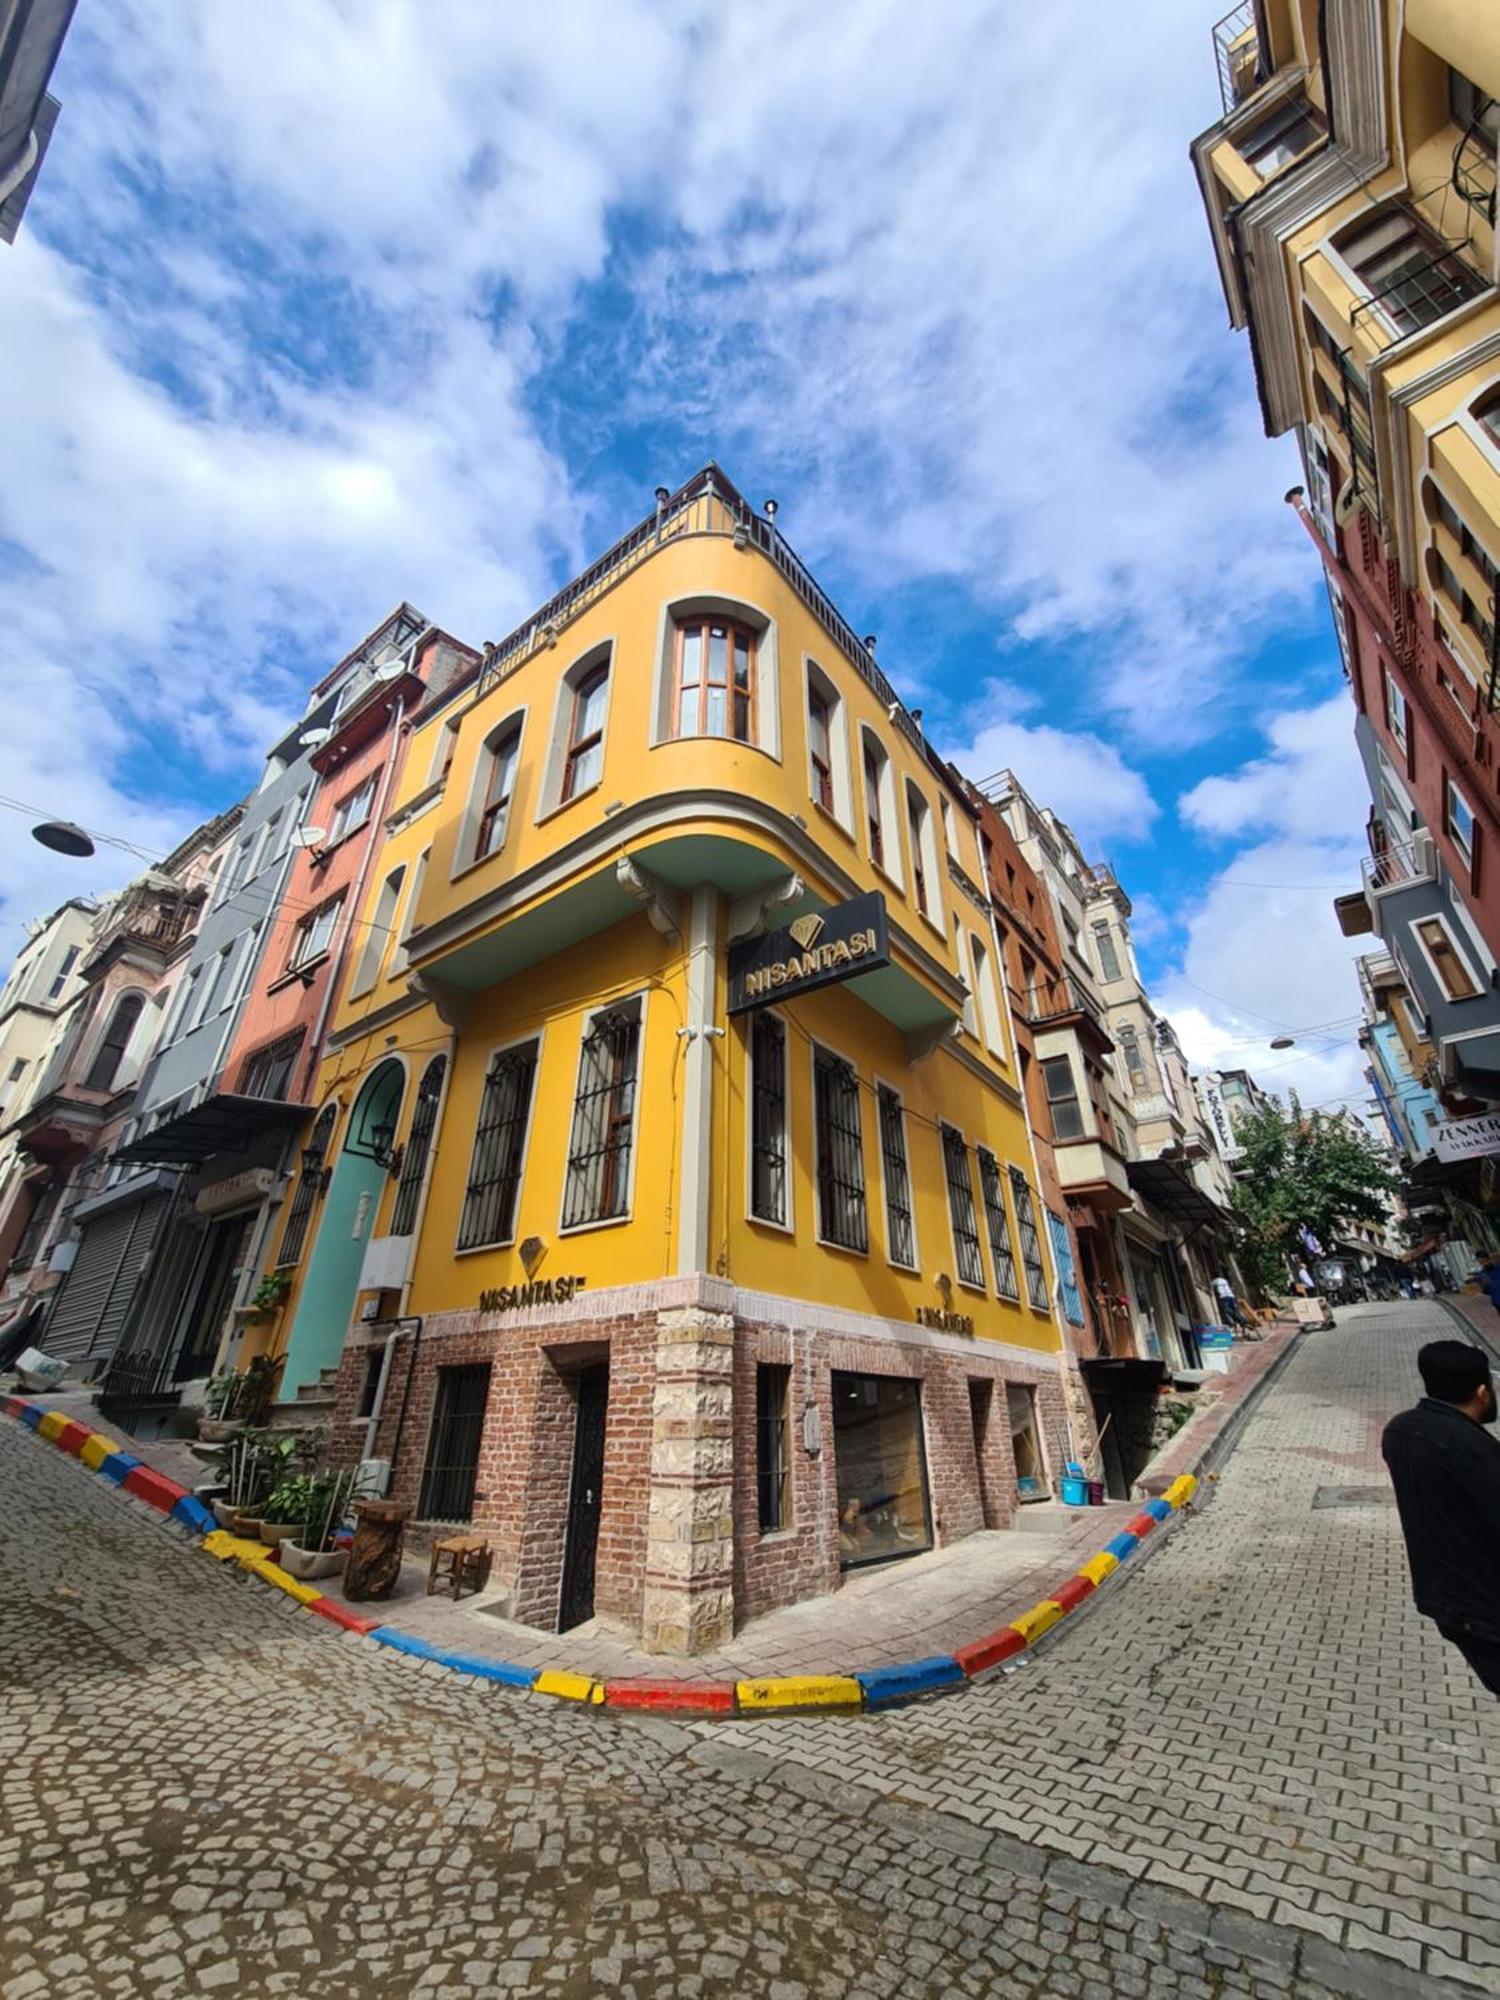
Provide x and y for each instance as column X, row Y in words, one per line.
column 1140, row 1524
column 1073, row 1592
column 72, row 1437
column 711, row 1697
column 1001, row 1645
column 154, row 1488
column 338, row 1614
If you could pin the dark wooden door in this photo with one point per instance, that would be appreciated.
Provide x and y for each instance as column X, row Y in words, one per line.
column 583, row 1501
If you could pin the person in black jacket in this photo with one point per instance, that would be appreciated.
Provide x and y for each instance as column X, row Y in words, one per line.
column 1445, row 1468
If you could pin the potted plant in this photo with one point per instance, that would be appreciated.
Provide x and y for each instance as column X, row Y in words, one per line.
column 254, row 1464
column 284, row 1509
column 234, row 1401
column 329, row 1497
column 269, row 1295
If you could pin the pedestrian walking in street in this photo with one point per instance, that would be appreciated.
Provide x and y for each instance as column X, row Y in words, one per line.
column 1488, row 1276
column 1445, row 1468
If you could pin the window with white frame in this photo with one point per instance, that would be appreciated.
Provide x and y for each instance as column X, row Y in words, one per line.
column 1459, row 815
column 378, row 934
column 352, row 812
column 1319, row 484
column 881, row 837
column 1280, row 135
column 494, row 1183
column 105, row 1068
column 583, row 758
column 895, row 1166
column 1415, row 277
column 249, row 943
column 950, row 830
column 768, row 1118
column 966, row 1250
column 213, row 984
column 60, row 977
column 1104, row 945
column 1441, row 947
column 924, row 855
column 1063, row 1101
column 601, row 1147
column 987, row 999
column 1397, row 714
column 314, row 935
column 839, row 1146
column 502, row 762
column 1341, row 628
column 714, row 676
column 182, row 1007
column 409, row 919
column 827, row 746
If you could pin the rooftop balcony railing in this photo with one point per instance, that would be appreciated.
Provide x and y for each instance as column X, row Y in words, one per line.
column 1237, row 55
column 1055, row 999
column 1399, row 866
column 707, row 505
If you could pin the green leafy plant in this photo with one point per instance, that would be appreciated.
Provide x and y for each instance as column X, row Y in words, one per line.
column 270, row 1294
column 1303, row 1170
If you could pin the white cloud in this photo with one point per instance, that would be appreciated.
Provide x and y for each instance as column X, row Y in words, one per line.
column 1084, row 779
column 1310, row 784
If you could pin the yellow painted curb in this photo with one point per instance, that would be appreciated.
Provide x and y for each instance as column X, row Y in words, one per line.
column 569, row 1687
column 1098, row 1567
column 1181, row 1490
column 50, row 1425
column 273, row 1573
column 229, row 1547
column 1039, row 1619
column 95, row 1449
column 801, row 1691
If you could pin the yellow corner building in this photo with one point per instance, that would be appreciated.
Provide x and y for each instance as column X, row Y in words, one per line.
column 670, row 1213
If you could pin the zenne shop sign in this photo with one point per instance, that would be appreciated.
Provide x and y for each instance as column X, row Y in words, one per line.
column 817, row 950
column 1468, row 1138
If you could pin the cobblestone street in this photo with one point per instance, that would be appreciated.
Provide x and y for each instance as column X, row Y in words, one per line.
column 1250, row 1769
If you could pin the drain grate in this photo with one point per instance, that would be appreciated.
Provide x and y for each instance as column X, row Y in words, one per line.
column 1354, row 1496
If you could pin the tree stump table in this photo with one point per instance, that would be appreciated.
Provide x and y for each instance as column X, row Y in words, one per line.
column 375, row 1559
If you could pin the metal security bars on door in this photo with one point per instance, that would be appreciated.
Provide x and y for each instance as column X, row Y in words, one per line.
column 961, row 1209
column 453, row 1446
column 310, row 1185
column 489, row 1212
column 999, row 1226
column 902, row 1242
column 841, row 1159
column 768, row 1119
column 1031, row 1246
column 598, row 1181
column 418, row 1145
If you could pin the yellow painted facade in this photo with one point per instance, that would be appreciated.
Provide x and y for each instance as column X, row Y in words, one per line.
column 531, row 940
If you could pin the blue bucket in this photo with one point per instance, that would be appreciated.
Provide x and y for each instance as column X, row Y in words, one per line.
column 1075, row 1492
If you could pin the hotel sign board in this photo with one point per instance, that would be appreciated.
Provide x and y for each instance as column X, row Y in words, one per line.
column 819, row 949
column 1468, row 1138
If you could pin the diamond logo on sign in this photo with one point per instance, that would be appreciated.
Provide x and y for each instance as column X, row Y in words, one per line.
column 807, row 930
column 842, row 942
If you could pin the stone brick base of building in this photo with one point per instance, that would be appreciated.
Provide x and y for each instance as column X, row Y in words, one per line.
column 679, row 1557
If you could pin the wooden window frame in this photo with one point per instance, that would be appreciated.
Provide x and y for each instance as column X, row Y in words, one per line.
column 579, row 747
column 735, row 697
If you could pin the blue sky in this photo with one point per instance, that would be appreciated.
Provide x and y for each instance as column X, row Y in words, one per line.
column 319, row 306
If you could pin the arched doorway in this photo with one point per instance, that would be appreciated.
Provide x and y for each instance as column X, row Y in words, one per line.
column 326, row 1302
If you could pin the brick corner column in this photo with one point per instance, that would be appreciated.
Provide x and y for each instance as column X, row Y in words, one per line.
column 688, row 1603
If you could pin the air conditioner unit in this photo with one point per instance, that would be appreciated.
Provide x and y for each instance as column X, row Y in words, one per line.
column 374, row 1478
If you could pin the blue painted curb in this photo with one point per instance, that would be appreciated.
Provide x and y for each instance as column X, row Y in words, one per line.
column 1122, row 1546
column 466, row 1663
column 884, row 1685
column 193, row 1514
column 1159, row 1510
column 118, row 1466
column 31, row 1416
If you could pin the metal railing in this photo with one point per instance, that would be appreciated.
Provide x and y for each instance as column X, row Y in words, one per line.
column 1425, row 290
column 1237, row 55
column 707, row 505
column 1054, row 999
column 135, row 1381
column 1411, row 861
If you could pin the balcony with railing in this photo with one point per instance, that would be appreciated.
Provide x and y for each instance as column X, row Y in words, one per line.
column 1237, row 55
column 1399, row 866
column 156, row 918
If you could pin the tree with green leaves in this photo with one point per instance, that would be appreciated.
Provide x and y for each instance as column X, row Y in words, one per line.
column 1302, row 1170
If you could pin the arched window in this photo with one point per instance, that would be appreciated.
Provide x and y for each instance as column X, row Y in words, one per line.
column 111, row 1051
column 418, row 1146
column 715, row 679
column 584, row 763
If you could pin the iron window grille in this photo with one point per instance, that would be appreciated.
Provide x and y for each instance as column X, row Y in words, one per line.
column 452, row 1465
column 773, row 1465
column 418, row 1145
column 310, row 1184
column 1031, row 1242
column 961, row 1210
column 715, row 694
column 898, row 1218
column 499, row 787
column 1414, row 277
column 489, row 1210
column 585, row 760
column 597, row 1188
column 998, row 1223
column 841, row 1159
column 268, row 1073
column 768, row 1119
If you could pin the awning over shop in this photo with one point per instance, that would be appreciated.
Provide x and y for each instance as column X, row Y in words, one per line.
column 1173, row 1190
column 221, row 1124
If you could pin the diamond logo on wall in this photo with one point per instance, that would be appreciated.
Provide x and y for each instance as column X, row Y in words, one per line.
column 806, row 930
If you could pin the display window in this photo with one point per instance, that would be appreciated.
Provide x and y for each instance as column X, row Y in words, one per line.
column 1026, row 1442
column 882, row 1469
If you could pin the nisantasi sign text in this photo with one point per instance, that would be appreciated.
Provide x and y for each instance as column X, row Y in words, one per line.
column 817, row 950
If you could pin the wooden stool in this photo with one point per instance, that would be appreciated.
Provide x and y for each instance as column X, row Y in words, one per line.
column 461, row 1560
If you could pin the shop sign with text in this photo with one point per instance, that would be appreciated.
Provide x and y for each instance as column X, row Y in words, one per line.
column 1467, row 1138
column 817, row 950
column 535, row 1292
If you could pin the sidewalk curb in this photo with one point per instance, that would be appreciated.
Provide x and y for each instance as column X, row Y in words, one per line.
column 868, row 1690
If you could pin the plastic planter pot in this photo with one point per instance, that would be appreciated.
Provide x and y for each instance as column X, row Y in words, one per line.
column 309, row 1565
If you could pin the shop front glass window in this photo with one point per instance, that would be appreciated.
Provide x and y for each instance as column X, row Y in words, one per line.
column 882, row 1470
column 1031, row 1471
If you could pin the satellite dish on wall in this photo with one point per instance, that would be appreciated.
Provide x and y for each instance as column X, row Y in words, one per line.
column 311, row 738
column 308, row 836
column 1343, row 508
column 391, row 671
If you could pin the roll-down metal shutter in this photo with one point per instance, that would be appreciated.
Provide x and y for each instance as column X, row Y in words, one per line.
column 96, row 1295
